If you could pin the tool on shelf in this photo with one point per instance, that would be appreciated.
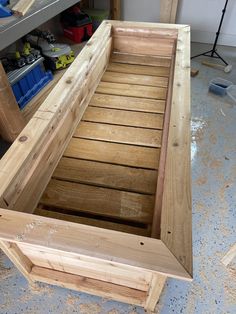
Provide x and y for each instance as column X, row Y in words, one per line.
column 4, row 11
column 226, row 68
column 76, row 24
column 57, row 55
column 27, row 81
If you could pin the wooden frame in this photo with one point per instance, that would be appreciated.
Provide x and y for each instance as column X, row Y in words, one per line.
column 126, row 267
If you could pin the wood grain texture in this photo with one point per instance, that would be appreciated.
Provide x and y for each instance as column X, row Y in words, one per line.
column 144, row 30
column 98, row 201
column 156, row 286
column 119, row 154
column 93, row 222
column 22, row 262
column 131, row 90
column 140, row 59
column 123, row 117
column 127, row 103
column 88, row 285
column 119, row 134
column 88, row 268
column 176, row 218
column 138, row 69
column 63, row 237
column 135, row 79
column 115, row 7
column 168, row 11
column 162, row 162
column 11, row 119
column 27, row 166
column 106, row 175
column 22, row 7
column 154, row 47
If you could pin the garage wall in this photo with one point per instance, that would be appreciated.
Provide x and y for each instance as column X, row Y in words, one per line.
column 204, row 18
column 202, row 15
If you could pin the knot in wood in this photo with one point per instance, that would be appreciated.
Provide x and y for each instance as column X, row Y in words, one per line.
column 23, row 138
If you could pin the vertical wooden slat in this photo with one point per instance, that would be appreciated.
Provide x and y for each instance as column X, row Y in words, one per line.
column 21, row 261
column 11, row 119
column 155, row 290
column 115, row 6
column 168, row 11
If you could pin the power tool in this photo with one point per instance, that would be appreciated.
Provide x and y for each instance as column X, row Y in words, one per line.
column 57, row 56
column 4, row 12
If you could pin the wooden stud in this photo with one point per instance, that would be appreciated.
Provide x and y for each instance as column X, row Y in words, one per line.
column 115, row 6
column 168, row 11
column 21, row 261
column 22, row 7
column 156, row 286
column 11, row 120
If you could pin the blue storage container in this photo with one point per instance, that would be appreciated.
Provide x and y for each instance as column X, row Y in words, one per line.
column 28, row 81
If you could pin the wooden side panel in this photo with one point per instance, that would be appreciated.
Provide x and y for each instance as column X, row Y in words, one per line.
column 156, row 46
column 176, row 218
column 162, row 162
column 92, row 286
column 31, row 160
column 111, row 246
column 88, row 267
column 95, row 221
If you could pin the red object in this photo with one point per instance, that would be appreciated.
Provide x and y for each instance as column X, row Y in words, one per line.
column 79, row 33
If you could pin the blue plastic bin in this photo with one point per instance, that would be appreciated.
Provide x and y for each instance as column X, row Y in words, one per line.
column 30, row 82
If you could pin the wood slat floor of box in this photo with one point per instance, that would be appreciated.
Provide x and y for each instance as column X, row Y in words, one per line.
column 107, row 176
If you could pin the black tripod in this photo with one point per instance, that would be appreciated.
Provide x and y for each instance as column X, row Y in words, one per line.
column 213, row 53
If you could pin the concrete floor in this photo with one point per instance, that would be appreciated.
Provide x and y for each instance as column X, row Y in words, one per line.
column 213, row 290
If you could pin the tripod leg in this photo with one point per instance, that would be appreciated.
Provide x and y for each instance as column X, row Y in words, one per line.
column 226, row 63
column 201, row 54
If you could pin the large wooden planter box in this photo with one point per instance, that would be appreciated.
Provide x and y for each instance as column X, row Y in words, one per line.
column 96, row 190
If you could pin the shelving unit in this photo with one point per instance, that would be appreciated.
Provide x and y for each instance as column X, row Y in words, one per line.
column 13, row 28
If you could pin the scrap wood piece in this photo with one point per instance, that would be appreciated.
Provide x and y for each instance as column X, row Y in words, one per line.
column 229, row 256
column 22, row 6
column 194, row 72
